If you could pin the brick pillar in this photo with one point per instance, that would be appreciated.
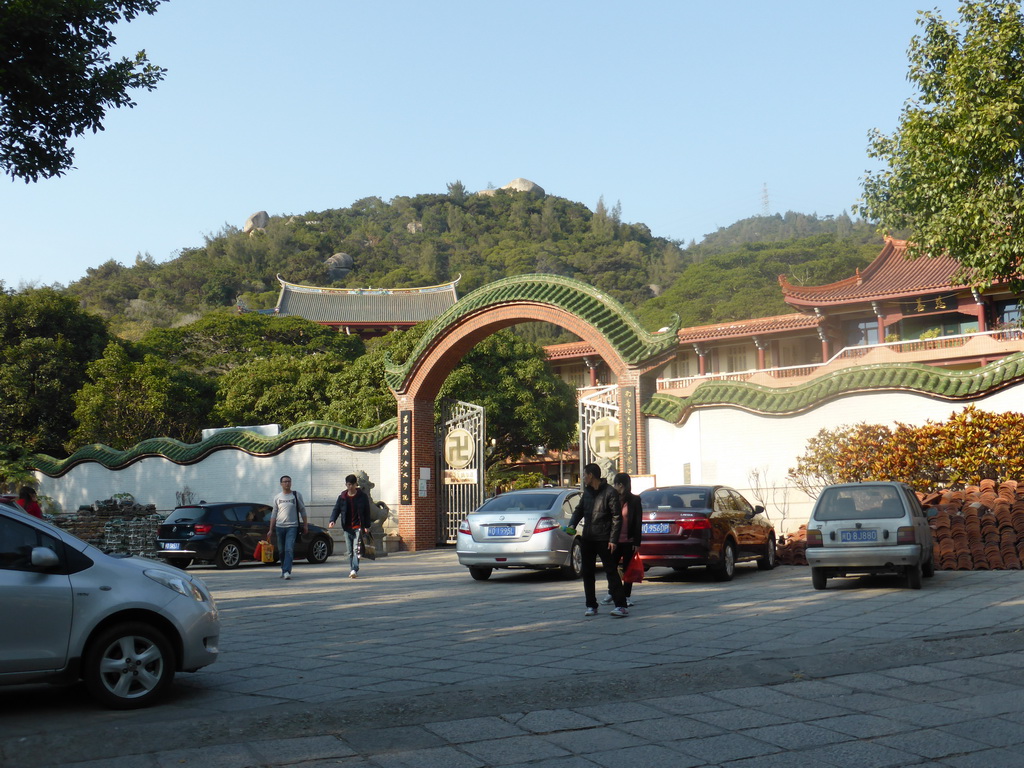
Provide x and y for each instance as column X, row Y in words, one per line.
column 417, row 514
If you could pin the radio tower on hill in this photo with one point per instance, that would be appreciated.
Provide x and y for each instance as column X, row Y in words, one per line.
column 766, row 209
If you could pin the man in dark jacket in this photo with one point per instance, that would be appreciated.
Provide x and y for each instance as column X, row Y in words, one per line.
column 353, row 507
column 600, row 511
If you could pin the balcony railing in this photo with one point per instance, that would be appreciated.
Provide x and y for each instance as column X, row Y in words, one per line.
column 846, row 353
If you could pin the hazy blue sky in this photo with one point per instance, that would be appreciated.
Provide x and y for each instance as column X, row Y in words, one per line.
column 682, row 111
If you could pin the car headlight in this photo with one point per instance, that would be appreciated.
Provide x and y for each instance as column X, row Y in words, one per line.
column 180, row 584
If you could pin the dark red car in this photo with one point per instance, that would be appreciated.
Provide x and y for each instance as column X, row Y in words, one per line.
column 709, row 525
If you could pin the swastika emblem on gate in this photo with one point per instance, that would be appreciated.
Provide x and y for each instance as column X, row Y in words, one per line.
column 604, row 437
column 459, row 448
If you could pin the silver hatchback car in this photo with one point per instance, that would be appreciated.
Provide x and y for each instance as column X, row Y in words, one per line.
column 123, row 624
column 521, row 529
column 872, row 527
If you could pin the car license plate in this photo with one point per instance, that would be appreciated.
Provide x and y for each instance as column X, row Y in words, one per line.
column 170, row 545
column 501, row 530
column 858, row 535
column 656, row 527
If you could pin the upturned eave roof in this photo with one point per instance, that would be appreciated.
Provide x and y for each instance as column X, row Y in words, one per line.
column 890, row 276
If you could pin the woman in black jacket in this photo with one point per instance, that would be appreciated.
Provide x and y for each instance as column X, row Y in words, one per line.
column 630, row 533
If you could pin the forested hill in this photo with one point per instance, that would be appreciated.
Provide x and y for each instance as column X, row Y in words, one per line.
column 433, row 238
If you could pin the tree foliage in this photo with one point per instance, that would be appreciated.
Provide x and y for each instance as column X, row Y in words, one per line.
column 57, row 79
column 46, row 342
column 127, row 400
column 971, row 446
column 954, row 175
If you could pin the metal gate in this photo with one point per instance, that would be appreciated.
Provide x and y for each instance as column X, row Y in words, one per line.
column 599, row 429
column 461, row 461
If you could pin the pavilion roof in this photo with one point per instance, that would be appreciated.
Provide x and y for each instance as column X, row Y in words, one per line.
column 353, row 306
column 890, row 275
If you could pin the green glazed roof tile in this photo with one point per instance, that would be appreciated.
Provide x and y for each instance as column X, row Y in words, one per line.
column 909, row 377
column 625, row 334
column 249, row 442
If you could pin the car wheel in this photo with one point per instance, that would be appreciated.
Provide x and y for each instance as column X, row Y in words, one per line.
column 229, row 555
column 914, row 576
column 129, row 665
column 180, row 562
column 928, row 569
column 767, row 562
column 480, row 574
column 818, row 578
column 319, row 550
column 574, row 568
column 726, row 568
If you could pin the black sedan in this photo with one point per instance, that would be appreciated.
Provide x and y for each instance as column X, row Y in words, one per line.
column 226, row 534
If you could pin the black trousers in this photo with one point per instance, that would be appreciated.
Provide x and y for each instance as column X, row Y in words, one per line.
column 623, row 554
column 591, row 550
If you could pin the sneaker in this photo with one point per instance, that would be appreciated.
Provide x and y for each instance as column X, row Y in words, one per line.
column 618, row 613
column 590, row 612
column 353, row 574
column 282, row 574
column 287, row 577
column 629, row 603
column 607, row 600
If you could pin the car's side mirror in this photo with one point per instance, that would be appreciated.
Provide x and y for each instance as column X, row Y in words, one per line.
column 758, row 509
column 42, row 557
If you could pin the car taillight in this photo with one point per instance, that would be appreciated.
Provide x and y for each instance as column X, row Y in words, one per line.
column 695, row 524
column 814, row 538
column 464, row 527
column 202, row 528
column 545, row 524
column 906, row 535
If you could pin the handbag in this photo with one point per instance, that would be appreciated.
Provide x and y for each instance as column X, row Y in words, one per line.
column 267, row 552
column 367, row 548
column 634, row 572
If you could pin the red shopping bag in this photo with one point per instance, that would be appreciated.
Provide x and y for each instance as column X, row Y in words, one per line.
column 257, row 554
column 634, row 572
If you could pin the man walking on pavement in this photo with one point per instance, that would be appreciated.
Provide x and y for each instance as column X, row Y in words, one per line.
column 353, row 507
column 600, row 510
column 289, row 517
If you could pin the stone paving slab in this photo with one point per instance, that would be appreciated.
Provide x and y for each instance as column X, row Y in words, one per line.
column 762, row 671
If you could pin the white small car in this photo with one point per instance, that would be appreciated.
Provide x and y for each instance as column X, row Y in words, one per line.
column 124, row 625
column 872, row 527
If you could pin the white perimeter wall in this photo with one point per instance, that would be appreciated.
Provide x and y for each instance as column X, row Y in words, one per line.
column 725, row 445
column 318, row 471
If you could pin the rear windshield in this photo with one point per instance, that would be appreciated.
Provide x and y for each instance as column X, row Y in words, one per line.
column 874, row 503
column 674, row 498
column 186, row 515
column 520, row 502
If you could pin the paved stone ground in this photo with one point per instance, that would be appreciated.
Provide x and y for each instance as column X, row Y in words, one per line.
column 416, row 664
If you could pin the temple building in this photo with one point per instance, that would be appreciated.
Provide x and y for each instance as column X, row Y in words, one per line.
column 365, row 312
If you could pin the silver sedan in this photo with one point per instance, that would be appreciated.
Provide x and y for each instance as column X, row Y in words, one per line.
column 521, row 529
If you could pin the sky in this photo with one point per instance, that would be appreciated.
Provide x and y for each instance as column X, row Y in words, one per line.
column 691, row 115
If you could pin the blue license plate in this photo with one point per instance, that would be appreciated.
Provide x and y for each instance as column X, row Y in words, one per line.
column 656, row 527
column 501, row 530
column 858, row 536
column 172, row 546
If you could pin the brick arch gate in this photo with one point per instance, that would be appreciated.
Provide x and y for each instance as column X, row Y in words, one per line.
column 631, row 353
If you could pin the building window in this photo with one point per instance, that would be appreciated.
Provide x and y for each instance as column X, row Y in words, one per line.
column 736, row 359
column 857, row 333
column 679, row 368
column 1008, row 313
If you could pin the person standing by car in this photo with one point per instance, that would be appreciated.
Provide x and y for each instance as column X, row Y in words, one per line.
column 289, row 514
column 353, row 507
column 630, row 533
column 27, row 501
column 601, row 513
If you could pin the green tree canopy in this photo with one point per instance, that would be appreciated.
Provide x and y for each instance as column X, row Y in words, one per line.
column 127, row 400
column 46, row 341
column 954, row 175
column 57, row 80
column 219, row 341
